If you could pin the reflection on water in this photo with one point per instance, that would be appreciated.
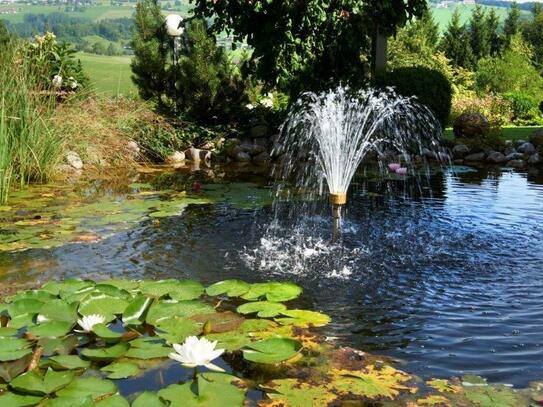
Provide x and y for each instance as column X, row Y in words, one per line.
column 446, row 277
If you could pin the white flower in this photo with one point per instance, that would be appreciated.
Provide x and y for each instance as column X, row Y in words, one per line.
column 72, row 83
column 173, row 22
column 57, row 81
column 249, row 107
column 88, row 322
column 197, row 352
column 42, row 319
column 267, row 101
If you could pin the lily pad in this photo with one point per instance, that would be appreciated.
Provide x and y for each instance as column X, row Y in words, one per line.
column 107, row 353
column 232, row 288
column 176, row 330
column 273, row 291
column 83, row 387
column 121, row 370
column 148, row 399
column 164, row 310
column 18, row 400
column 52, row 329
column 66, row 362
column 134, row 314
column 264, row 309
column 273, row 350
column 296, row 393
column 304, row 318
column 34, row 384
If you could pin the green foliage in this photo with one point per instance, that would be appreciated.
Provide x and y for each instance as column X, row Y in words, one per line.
column 513, row 72
column 512, row 24
column 525, row 109
column 209, row 87
column 455, row 43
column 479, row 34
column 297, row 46
column 431, row 87
column 533, row 33
column 50, row 60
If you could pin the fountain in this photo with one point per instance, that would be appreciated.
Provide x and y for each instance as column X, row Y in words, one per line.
column 326, row 137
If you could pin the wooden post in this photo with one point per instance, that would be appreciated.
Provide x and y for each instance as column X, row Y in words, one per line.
column 379, row 52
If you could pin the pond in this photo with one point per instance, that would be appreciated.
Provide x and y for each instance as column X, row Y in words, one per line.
column 444, row 275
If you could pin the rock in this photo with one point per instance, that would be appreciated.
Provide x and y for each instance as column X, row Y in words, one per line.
column 133, row 147
column 514, row 156
column 73, row 160
column 496, row 158
column 276, row 150
column 258, row 131
column 261, row 141
column 534, row 159
column 262, row 158
column 234, row 151
column 518, row 143
column 257, row 149
column 242, row 157
column 192, row 154
column 475, row 157
column 536, row 138
column 175, row 158
column 429, row 154
column 459, row 161
column 275, row 138
column 510, row 150
column 516, row 164
column 460, row 151
column 471, row 125
column 205, row 155
column 526, row 148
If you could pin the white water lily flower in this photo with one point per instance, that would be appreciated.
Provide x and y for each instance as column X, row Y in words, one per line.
column 197, row 352
column 88, row 322
column 57, row 81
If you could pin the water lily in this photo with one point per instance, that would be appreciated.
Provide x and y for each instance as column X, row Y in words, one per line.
column 88, row 322
column 394, row 167
column 401, row 171
column 197, row 352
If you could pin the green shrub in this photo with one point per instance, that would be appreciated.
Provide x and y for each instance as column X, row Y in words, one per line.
column 495, row 108
column 54, row 64
column 431, row 88
column 525, row 109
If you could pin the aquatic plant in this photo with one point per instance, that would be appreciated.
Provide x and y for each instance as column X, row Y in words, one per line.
column 197, row 352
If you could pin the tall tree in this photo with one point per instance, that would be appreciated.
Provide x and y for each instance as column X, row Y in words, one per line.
column 495, row 38
column 479, row 35
column 537, row 9
column 311, row 44
column 512, row 24
column 455, row 43
column 533, row 34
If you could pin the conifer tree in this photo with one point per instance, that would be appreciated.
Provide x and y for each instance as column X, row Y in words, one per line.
column 512, row 24
column 495, row 38
column 455, row 43
column 479, row 35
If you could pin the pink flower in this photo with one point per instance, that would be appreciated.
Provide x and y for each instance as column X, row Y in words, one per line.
column 401, row 171
column 394, row 167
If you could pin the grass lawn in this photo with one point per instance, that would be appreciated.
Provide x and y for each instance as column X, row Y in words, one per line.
column 508, row 132
column 109, row 75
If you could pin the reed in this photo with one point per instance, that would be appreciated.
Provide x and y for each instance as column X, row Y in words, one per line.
column 30, row 146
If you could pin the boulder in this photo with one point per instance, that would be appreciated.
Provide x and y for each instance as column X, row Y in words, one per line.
column 230, row 144
column 510, row 150
column 471, row 125
column 242, row 157
column 536, row 138
column 261, row 159
column 534, row 159
column 175, row 158
column 460, row 151
column 259, row 130
column 234, row 151
column 475, row 157
column 516, row 164
column 496, row 158
column 514, row 156
column 192, row 154
column 526, row 148
column 73, row 160
column 261, row 141
column 518, row 143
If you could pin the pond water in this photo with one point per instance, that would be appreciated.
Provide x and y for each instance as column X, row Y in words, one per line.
column 446, row 277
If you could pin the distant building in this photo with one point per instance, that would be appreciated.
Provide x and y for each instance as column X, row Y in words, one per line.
column 468, row 2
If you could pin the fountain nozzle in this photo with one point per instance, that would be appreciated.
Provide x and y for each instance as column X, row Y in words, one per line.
column 338, row 199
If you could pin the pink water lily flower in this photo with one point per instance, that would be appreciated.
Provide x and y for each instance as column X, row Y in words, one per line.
column 401, row 171
column 394, row 167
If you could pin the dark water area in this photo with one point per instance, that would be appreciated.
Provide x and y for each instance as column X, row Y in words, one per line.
column 446, row 275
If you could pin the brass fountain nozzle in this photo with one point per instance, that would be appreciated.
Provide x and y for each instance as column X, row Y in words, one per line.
column 338, row 199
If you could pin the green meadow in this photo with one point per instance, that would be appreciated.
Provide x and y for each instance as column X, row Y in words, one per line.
column 110, row 75
column 443, row 15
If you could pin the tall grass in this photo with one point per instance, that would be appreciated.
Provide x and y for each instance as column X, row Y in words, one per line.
column 29, row 145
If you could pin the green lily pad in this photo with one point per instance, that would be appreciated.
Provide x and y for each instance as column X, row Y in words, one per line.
column 113, row 401
column 210, row 390
column 70, row 402
column 273, row 291
column 176, row 330
column 59, row 310
column 66, row 286
column 24, row 306
column 34, row 384
column 304, row 318
column 148, row 348
column 121, row 370
column 264, row 309
column 163, row 310
column 20, row 321
column 101, row 304
column 105, row 354
column 492, row 396
column 53, row 329
column 232, row 288
column 231, row 341
column 10, row 370
column 6, row 356
column 148, row 399
column 59, row 346
column 17, row 400
column 7, row 332
column 273, row 350
column 83, row 387
column 66, row 362
column 102, row 331
column 134, row 314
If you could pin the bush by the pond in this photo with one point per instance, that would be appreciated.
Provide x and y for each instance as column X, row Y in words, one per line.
column 431, row 87
column 525, row 109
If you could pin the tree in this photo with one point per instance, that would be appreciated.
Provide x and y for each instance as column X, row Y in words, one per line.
column 455, row 43
column 513, row 72
column 533, row 33
column 300, row 45
column 152, row 69
column 479, row 35
column 512, row 24
column 5, row 35
column 495, row 39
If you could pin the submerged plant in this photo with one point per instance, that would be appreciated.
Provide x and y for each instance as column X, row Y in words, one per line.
column 197, row 352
